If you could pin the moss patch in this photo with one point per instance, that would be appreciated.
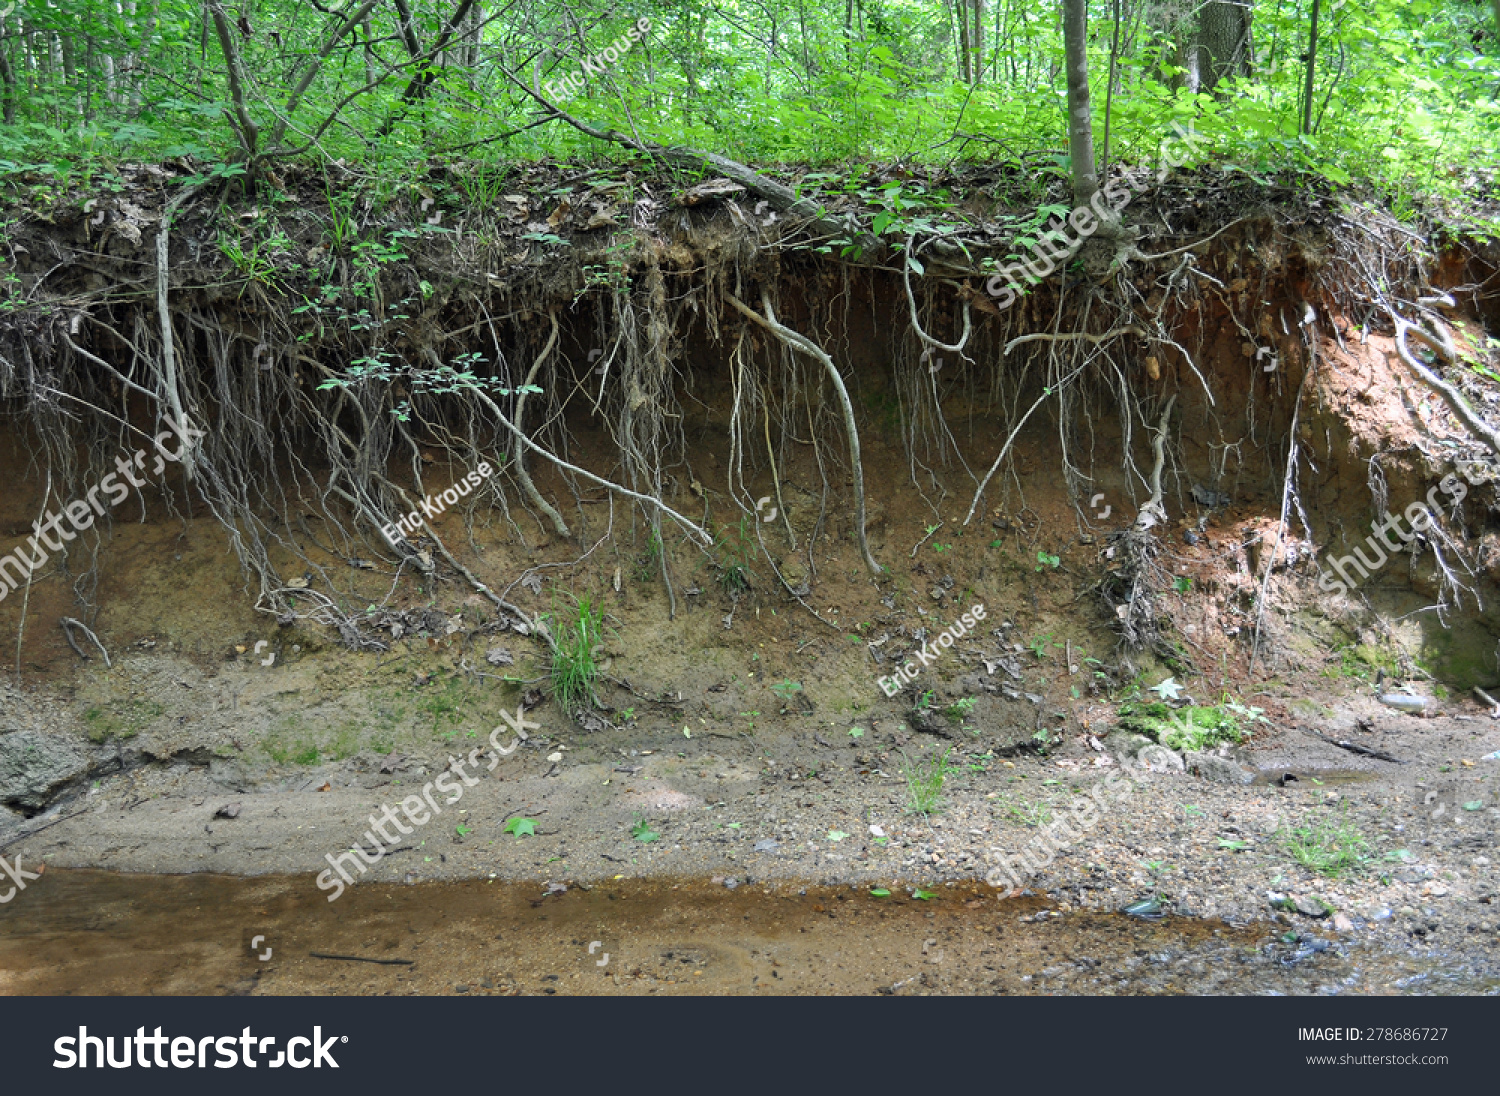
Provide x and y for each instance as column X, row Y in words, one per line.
column 1191, row 728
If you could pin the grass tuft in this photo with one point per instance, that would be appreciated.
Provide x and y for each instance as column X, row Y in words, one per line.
column 924, row 780
column 1331, row 846
column 575, row 662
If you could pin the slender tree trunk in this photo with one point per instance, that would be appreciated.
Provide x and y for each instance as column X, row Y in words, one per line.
column 978, row 42
column 1080, row 113
column 961, row 10
column 8, row 90
column 1312, row 67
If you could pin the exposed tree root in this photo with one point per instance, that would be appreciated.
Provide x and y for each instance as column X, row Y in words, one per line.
column 68, row 624
column 558, row 525
column 807, row 346
column 1441, row 344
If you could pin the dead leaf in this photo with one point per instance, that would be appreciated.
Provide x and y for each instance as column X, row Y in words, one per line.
column 560, row 213
column 327, row 787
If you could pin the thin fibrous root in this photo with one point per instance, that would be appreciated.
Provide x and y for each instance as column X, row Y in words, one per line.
column 806, row 346
column 1066, row 336
column 1004, row 449
column 694, row 528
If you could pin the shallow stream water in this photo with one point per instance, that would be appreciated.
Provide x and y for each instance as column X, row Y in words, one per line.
column 91, row 932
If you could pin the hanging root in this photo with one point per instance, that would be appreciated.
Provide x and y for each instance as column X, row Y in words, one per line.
column 1153, row 512
column 1004, row 449
column 68, row 624
column 1129, row 589
column 1287, row 489
column 812, row 350
column 519, row 467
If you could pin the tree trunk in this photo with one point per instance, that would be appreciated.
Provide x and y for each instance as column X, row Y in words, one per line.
column 1223, row 42
column 1312, row 67
column 961, row 10
column 978, row 42
column 1080, row 113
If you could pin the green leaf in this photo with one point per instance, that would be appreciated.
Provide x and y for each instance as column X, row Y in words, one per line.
column 880, row 892
column 916, row 267
column 923, row 895
column 836, row 835
column 520, row 827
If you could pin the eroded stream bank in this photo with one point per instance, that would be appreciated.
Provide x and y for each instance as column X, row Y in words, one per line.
column 83, row 932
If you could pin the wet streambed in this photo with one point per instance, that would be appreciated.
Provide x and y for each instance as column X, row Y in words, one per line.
column 90, row 932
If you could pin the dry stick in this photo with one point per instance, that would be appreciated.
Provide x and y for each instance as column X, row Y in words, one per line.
column 39, row 829
column 363, row 959
column 68, row 624
column 1153, row 513
column 1286, row 496
column 812, row 350
column 781, row 198
column 1004, row 449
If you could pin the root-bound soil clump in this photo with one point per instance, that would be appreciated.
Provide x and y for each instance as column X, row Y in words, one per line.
column 755, row 518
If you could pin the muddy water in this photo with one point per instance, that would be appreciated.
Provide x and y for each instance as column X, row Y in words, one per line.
column 82, row 932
